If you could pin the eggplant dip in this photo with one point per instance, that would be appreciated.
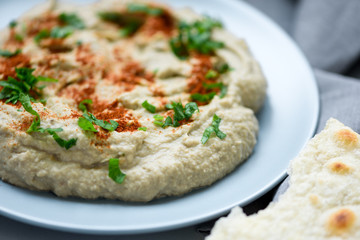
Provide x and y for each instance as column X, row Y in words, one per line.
column 125, row 100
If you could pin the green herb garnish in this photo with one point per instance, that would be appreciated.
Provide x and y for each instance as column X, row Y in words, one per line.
column 115, row 172
column 148, row 106
column 195, row 37
column 19, row 90
column 13, row 24
column 26, row 103
column 129, row 29
column 180, row 113
column 211, row 74
column 19, row 38
column 67, row 144
column 86, row 122
column 179, row 47
column 41, row 35
column 190, row 108
column 214, row 128
column 221, row 86
column 143, row 8
column 26, row 84
column 110, row 126
column 142, row 129
column 168, row 122
column 158, row 123
column 169, row 106
column 223, row 68
column 129, row 23
column 203, row 97
column 158, row 117
column 62, row 143
column 223, row 91
column 83, row 103
column 114, row 17
column 71, row 19
column 86, row 125
column 8, row 54
column 61, row 32
column 46, row 79
column 158, row 120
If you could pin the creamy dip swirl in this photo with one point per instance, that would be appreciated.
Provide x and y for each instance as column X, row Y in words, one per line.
column 118, row 74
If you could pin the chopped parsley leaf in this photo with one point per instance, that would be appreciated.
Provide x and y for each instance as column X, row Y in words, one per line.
column 86, row 125
column 26, row 103
column 223, row 91
column 142, row 129
column 223, row 68
column 211, row 74
column 19, row 90
column 179, row 47
column 18, row 37
column 114, row 17
column 8, row 54
column 223, row 88
column 195, row 37
column 83, row 103
column 169, row 106
column 61, row 32
column 13, row 24
column 115, row 172
column 26, row 84
column 86, row 122
column 180, row 113
column 143, row 8
column 159, row 123
column 214, row 128
column 110, row 126
column 158, row 117
column 41, row 35
column 190, row 109
column 168, row 122
column 148, row 106
column 35, row 125
column 129, row 23
column 71, row 19
column 46, row 79
column 129, row 29
column 203, row 97
column 67, row 144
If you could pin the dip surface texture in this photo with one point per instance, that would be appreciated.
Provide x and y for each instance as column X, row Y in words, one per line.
column 119, row 80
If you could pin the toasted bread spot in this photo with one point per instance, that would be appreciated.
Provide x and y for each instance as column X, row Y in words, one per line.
column 341, row 221
column 314, row 199
column 339, row 167
column 347, row 137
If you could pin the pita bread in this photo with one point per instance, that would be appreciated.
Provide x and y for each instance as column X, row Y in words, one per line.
column 322, row 202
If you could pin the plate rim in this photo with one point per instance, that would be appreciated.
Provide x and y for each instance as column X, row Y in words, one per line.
column 264, row 19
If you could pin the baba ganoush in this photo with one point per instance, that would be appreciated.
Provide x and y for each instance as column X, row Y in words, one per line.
column 127, row 100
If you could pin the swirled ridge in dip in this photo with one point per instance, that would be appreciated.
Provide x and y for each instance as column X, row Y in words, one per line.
column 124, row 100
